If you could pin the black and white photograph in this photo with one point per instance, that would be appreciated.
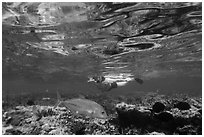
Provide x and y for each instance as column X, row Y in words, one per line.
column 101, row 68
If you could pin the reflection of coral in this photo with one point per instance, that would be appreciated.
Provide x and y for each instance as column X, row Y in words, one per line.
column 44, row 13
column 49, row 13
column 55, row 46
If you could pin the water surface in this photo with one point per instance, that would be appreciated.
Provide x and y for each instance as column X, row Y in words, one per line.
column 58, row 46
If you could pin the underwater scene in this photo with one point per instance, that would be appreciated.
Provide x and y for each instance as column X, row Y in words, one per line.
column 102, row 68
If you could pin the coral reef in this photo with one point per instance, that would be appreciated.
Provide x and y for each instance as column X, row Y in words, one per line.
column 146, row 116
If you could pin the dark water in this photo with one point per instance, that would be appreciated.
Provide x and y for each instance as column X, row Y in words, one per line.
column 58, row 46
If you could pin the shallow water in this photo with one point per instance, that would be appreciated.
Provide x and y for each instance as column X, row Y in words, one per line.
column 58, row 46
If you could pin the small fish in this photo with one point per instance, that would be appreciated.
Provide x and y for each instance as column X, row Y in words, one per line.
column 83, row 107
column 140, row 81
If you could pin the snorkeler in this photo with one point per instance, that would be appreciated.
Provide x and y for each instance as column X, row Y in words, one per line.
column 107, row 83
column 102, row 83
